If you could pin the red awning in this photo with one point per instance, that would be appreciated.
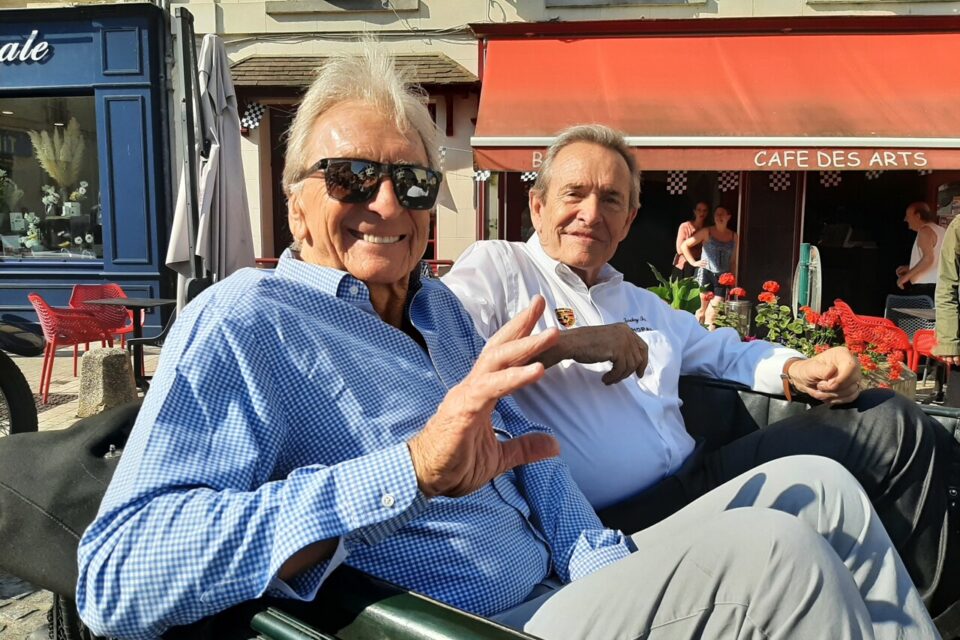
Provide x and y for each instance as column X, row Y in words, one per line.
column 730, row 102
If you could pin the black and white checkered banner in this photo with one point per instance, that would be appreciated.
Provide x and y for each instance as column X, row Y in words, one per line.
column 874, row 174
column 528, row 176
column 830, row 178
column 481, row 175
column 924, row 172
column 728, row 180
column 779, row 180
column 252, row 115
column 676, row 182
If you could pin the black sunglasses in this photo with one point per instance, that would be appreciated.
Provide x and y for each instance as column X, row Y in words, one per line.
column 353, row 181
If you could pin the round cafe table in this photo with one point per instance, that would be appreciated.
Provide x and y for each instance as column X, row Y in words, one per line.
column 136, row 305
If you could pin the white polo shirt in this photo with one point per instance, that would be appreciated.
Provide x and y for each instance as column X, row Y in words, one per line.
column 617, row 439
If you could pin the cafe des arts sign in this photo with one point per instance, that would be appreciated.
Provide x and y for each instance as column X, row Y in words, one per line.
column 32, row 50
column 750, row 158
column 743, row 153
column 864, row 159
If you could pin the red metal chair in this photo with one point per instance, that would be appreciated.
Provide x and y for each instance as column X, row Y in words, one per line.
column 847, row 315
column 63, row 328
column 874, row 329
column 117, row 321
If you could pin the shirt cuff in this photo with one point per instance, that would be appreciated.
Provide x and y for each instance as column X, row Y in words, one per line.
column 371, row 491
column 305, row 586
column 596, row 549
column 767, row 374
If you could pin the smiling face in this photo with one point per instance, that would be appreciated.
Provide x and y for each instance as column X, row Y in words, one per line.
column 378, row 242
column 584, row 213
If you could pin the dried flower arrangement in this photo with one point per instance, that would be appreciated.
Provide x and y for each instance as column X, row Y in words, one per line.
column 60, row 154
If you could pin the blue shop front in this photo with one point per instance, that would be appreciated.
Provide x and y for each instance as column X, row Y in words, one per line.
column 84, row 188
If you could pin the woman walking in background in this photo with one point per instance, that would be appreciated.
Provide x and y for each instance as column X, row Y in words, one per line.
column 719, row 256
column 682, row 267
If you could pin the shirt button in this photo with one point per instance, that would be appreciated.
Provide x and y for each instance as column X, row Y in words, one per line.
column 387, row 500
column 354, row 289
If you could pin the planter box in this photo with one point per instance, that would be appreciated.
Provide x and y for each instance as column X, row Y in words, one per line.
column 906, row 385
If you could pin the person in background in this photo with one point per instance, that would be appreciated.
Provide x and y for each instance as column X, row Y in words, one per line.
column 947, row 303
column 920, row 276
column 681, row 267
column 719, row 256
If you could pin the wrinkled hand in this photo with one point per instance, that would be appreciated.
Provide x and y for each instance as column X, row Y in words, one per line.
column 615, row 343
column 902, row 269
column 832, row 377
column 702, row 263
column 457, row 451
column 903, row 281
column 951, row 360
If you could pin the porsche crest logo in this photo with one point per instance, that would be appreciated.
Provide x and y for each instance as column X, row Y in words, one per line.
column 566, row 317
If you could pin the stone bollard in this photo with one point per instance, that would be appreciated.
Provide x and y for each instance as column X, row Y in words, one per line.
column 106, row 381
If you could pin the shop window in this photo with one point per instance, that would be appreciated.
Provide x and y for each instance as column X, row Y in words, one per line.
column 50, row 185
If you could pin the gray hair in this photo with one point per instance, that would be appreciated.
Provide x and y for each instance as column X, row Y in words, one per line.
column 595, row 134
column 369, row 77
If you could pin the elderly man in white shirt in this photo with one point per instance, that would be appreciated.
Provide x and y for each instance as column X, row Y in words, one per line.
column 612, row 396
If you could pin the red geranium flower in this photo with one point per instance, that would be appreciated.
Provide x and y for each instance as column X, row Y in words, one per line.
column 767, row 297
column 896, row 371
column 867, row 362
column 772, row 286
column 738, row 292
column 829, row 319
column 727, row 280
column 709, row 295
column 820, row 348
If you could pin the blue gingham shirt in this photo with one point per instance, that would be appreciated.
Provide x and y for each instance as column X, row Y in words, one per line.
column 279, row 417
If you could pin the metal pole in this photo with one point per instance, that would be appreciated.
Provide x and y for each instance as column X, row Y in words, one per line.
column 188, row 72
column 803, row 293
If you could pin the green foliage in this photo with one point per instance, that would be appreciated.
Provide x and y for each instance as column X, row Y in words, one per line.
column 683, row 293
column 802, row 333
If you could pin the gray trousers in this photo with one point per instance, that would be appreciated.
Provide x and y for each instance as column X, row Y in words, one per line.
column 792, row 549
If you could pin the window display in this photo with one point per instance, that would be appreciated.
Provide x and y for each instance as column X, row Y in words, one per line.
column 49, row 179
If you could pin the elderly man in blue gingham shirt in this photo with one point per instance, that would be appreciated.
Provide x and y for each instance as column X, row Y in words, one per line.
column 340, row 410
column 246, row 452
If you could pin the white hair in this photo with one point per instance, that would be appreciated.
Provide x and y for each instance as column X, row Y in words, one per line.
column 369, row 77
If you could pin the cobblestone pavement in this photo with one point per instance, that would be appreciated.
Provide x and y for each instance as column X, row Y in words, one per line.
column 23, row 607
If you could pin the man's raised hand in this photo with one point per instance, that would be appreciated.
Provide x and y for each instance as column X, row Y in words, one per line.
column 457, row 451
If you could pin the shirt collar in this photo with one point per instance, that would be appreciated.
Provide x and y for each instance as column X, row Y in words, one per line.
column 334, row 282
column 608, row 275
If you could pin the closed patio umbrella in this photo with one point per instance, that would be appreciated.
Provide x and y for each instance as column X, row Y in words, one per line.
column 224, row 239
